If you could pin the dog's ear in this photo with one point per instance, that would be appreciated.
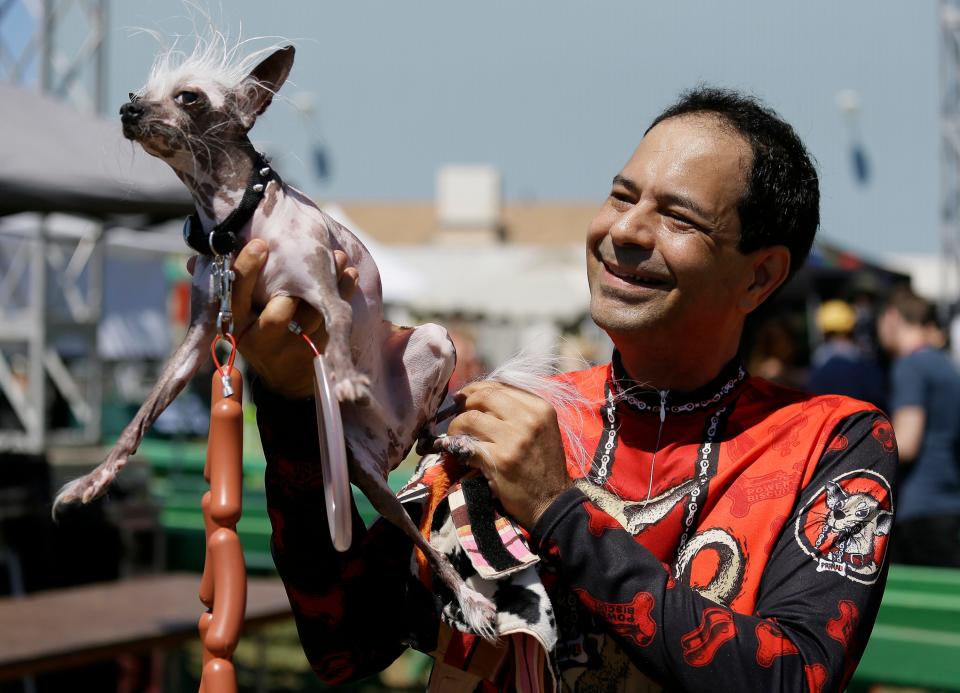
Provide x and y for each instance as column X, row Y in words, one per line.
column 263, row 82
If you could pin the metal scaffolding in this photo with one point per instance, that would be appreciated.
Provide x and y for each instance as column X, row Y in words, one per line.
column 57, row 45
column 50, row 300
column 949, row 151
column 50, row 279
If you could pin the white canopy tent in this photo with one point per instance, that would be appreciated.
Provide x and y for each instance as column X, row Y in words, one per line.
column 508, row 282
column 513, row 298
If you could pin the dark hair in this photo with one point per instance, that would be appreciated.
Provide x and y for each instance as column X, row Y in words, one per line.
column 912, row 308
column 781, row 205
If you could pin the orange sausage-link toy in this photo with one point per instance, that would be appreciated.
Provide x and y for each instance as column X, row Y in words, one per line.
column 223, row 586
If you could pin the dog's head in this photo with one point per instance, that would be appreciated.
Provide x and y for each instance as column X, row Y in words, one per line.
column 190, row 113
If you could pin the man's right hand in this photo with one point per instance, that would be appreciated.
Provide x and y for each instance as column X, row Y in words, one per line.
column 280, row 357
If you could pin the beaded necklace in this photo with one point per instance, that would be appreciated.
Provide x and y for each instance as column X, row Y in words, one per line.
column 708, row 453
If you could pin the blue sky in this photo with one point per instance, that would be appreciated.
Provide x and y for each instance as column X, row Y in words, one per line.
column 557, row 94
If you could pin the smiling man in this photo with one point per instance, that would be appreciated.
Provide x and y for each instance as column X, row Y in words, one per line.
column 728, row 535
column 664, row 254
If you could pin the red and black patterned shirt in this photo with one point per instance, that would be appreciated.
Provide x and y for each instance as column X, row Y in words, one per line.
column 753, row 561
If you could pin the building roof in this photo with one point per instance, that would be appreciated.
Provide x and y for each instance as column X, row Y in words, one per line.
column 540, row 223
column 537, row 274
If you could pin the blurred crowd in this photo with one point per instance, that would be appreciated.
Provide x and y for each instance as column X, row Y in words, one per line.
column 890, row 351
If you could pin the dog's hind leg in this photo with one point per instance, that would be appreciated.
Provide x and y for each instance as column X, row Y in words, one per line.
column 478, row 611
column 415, row 365
column 351, row 385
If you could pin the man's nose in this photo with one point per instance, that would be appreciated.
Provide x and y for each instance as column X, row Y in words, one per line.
column 635, row 226
column 130, row 112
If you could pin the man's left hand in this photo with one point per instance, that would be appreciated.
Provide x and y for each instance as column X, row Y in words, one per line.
column 523, row 457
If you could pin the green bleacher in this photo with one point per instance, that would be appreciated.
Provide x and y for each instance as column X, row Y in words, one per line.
column 916, row 640
column 177, row 484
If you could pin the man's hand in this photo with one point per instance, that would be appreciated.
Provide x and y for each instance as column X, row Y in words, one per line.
column 280, row 357
column 523, row 457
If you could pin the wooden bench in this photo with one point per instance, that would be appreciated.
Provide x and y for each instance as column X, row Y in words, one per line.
column 76, row 626
column 916, row 640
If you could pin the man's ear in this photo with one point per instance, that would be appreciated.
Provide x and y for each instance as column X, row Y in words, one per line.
column 770, row 269
column 265, row 80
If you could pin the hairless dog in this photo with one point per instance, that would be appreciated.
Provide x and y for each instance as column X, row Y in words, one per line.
column 195, row 115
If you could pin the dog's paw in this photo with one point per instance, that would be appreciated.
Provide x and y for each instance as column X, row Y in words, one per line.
column 354, row 388
column 99, row 482
column 89, row 487
column 461, row 447
column 71, row 492
column 479, row 613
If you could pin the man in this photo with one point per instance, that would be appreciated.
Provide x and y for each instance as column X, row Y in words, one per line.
column 729, row 534
column 925, row 401
column 839, row 365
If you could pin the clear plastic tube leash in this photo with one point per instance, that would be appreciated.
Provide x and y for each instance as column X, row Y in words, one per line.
column 333, row 452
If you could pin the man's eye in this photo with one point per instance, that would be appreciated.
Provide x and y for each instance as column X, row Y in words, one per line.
column 620, row 200
column 185, row 98
column 680, row 221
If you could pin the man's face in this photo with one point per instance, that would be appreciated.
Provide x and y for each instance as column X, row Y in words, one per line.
column 662, row 251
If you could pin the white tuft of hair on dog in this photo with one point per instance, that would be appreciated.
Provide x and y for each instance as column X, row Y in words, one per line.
column 215, row 63
column 541, row 374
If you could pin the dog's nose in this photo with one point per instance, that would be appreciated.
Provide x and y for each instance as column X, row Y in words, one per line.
column 130, row 112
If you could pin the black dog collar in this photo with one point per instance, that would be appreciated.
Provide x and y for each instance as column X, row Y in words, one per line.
column 224, row 238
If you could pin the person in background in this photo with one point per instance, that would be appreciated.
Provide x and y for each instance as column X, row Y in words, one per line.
column 925, row 404
column 774, row 355
column 838, row 365
column 864, row 295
